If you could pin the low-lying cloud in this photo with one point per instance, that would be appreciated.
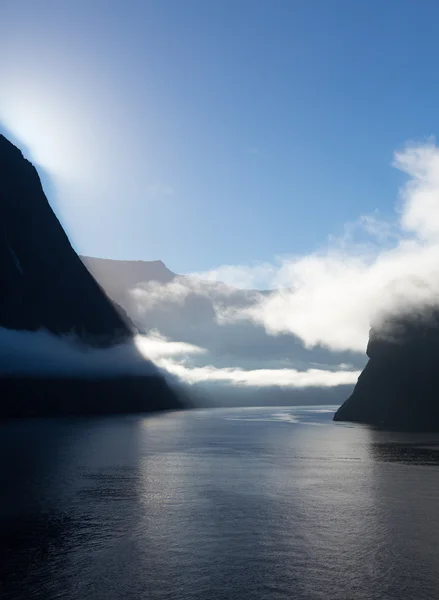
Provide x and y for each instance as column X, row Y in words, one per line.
column 261, row 378
column 42, row 354
column 156, row 346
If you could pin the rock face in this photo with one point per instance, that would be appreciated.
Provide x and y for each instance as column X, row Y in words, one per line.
column 59, row 397
column 45, row 285
column 118, row 276
column 399, row 387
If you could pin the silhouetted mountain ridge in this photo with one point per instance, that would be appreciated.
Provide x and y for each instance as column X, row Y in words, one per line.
column 45, row 285
column 399, row 387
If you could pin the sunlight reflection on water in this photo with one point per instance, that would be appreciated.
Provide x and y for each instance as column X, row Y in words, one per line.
column 242, row 503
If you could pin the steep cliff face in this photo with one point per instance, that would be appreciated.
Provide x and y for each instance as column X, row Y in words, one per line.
column 399, row 387
column 43, row 283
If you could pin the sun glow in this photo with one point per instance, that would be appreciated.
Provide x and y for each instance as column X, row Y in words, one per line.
column 50, row 128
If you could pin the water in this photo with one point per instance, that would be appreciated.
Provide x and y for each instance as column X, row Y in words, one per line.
column 243, row 503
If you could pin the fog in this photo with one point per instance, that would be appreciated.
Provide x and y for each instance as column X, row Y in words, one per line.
column 41, row 354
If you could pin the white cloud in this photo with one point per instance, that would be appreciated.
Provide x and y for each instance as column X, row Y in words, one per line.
column 329, row 298
column 150, row 294
column 240, row 276
column 420, row 195
column 174, row 358
column 287, row 378
column 41, row 353
column 155, row 346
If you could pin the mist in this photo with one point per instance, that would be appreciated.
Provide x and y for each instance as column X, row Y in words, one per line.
column 42, row 354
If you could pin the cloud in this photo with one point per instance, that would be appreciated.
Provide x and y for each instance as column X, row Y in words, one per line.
column 149, row 294
column 420, row 195
column 154, row 294
column 286, row 378
column 41, row 353
column 378, row 269
column 175, row 358
column 155, row 346
column 240, row 276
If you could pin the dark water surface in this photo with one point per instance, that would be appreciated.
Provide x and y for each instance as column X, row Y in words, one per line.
column 243, row 504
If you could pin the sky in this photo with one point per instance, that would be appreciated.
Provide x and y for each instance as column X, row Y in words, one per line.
column 217, row 133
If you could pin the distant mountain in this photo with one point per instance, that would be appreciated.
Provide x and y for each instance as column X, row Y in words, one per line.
column 186, row 308
column 399, row 385
column 180, row 306
column 118, row 276
column 44, row 285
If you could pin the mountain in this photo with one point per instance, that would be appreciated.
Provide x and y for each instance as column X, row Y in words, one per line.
column 45, row 285
column 181, row 307
column 399, row 386
column 118, row 276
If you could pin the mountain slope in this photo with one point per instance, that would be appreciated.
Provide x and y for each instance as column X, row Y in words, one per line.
column 399, row 387
column 43, row 283
column 118, row 277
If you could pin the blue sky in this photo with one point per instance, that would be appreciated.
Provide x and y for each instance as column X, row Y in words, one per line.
column 210, row 133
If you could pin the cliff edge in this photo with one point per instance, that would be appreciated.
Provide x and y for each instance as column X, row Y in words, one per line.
column 399, row 387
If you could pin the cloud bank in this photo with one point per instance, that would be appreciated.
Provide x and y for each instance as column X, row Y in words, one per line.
column 378, row 269
column 42, row 354
column 265, row 378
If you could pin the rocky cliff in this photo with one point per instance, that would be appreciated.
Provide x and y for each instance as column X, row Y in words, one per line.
column 399, row 387
column 45, row 285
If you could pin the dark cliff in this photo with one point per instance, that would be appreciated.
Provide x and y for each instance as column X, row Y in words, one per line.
column 45, row 285
column 399, row 387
